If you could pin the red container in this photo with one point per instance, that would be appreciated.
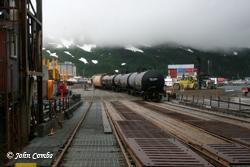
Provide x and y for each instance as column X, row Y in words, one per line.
column 220, row 79
column 189, row 70
column 172, row 73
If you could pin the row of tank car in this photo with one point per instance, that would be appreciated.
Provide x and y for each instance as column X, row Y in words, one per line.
column 148, row 84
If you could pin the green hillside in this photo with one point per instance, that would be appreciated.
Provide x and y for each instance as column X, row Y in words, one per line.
column 222, row 63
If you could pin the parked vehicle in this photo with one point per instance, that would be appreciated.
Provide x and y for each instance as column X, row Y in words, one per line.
column 186, row 83
column 246, row 91
column 206, row 82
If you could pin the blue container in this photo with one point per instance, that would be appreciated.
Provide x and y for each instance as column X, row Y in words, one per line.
column 180, row 70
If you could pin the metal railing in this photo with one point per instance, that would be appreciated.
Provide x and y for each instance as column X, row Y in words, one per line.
column 59, row 105
column 216, row 102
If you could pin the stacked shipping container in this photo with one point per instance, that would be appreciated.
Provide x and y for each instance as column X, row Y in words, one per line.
column 178, row 70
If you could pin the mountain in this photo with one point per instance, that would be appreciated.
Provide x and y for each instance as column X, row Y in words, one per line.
column 90, row 59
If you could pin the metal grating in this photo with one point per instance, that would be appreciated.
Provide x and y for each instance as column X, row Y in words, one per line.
column 91, row 147
column 224, row 129
column 245, row 141
column 165, row 152
column 227, row 130
column 92, row 140
column 141, row 129
column 132, row 116
column 126, row 112
column 233, row 153
column 175, row 115
column 152, row 146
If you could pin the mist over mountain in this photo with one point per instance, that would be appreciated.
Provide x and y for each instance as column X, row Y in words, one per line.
column 203, row 24
column 91, row 59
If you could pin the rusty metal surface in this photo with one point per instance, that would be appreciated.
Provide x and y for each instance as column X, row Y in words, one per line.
column 131, row 116
column 175, row 115
column 3, row 61
column 126, row 112
column 165, row 152
column 226, row 130
column 141, row 129
column 245, row 141
column 223, row 129
column 233, row 153
column 20, row 51
column 151, row 145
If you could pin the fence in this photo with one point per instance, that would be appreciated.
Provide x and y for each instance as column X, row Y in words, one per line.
column 219, row 102
column 54, row 106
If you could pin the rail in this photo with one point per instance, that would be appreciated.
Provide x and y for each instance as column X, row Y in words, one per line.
column 235, row 150
column 69, row 141
column 117, row 136
column 218, row 102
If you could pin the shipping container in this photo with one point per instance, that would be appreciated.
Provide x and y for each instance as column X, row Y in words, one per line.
column 189, row 70
column 175, row 66
column 172, row 73
column 180, row 70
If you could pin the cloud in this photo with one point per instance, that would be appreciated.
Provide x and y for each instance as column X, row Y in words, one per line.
column 197, row 23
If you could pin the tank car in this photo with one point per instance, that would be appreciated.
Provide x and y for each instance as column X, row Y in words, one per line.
column 124, row 81
column 117, row 82
column 97, row 80
column 131, row 83
column 108, row 81
column 150, row 84
column 104, row 81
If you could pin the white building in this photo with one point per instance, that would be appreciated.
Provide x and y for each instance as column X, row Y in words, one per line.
column 69, row 69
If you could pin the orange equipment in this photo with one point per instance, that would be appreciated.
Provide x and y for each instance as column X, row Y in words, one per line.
column 50, row 89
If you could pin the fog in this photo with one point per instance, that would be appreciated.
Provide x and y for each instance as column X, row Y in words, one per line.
column 197, row 23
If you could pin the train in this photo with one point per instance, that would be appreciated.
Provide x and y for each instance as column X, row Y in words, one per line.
column 148, row 84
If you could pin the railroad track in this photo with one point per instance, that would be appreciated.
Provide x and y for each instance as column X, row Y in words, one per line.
column 224, row 130
column 89, row 144
column 127, row 156
column 145, row 140
column 237, row 115
column 59, row 158
column 235, row 150
column 149, row 145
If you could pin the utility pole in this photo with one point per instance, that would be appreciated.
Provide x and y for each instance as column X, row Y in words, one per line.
column 208, row 64
column 198, row 66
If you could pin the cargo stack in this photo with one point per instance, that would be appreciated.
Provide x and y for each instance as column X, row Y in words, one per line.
column 178, row 71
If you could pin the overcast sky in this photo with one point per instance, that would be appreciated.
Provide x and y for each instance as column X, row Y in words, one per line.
column 197, row 23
